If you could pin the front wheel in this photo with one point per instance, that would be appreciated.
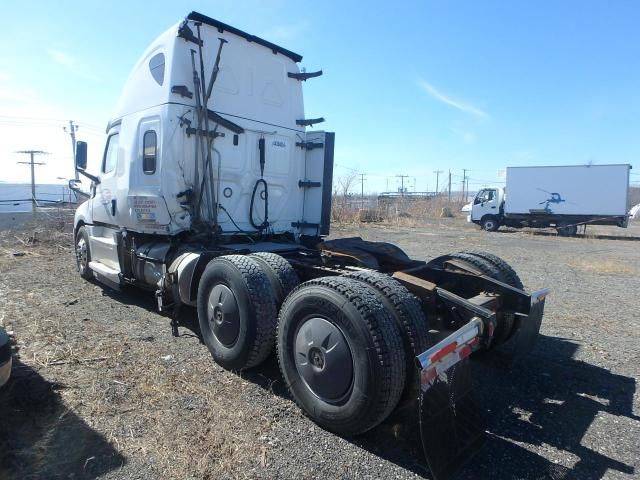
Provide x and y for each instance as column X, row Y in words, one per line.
column 566, row 230
column 489, row 223
column 83, row 253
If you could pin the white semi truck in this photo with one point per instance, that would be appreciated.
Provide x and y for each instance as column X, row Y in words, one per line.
column 212, row 193
column 563, row 197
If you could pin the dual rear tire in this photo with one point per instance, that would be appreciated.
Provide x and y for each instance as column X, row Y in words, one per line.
column 341, row 354
column 238, row 300
column 515, row 335
column 345, row 345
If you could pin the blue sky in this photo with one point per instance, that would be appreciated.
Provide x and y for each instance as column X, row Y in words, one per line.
column 408, row 87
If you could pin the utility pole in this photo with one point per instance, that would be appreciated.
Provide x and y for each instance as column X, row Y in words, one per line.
column 402, row 177
column 437, row 172
column 362, row 179
column 72, row 132
column 464, row 180
column 449, row 185
column 33, row 163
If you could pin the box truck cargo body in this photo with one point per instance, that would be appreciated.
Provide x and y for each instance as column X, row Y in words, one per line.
column 560, row 196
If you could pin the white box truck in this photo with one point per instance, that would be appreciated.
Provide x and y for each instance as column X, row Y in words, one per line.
column 561, row 196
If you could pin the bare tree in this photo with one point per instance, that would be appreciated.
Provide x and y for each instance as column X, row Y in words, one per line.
column 341, row 211
column 344, row 184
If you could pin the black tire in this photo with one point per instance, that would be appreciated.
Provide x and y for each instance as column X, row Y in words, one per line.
column 239, row 329
column 360, row 384
column 515, row 335
column 5, row 357
column 481, row 264
column 484, row 264
column 282, row 277
column 506, row 272
column 406, row 311
column 489, row 223
column 566, row 230
column 83, row 253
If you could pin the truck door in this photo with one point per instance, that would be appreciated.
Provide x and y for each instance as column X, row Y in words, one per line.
column 485, row 203
column 104, row 203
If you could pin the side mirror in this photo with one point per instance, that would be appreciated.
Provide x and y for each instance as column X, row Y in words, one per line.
column 81, row 162
column 81, row 155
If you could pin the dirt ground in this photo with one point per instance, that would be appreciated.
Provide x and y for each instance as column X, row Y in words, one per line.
column 102, row 390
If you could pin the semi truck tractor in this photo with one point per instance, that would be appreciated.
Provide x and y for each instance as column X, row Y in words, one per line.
column 214, row 193
column 563, row 197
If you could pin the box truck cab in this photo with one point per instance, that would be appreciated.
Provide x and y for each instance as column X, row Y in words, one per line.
column 488, row 208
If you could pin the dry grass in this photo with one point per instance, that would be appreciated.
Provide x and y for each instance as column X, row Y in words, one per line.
column 160, row 402
column 407, row 212
column 604, row 267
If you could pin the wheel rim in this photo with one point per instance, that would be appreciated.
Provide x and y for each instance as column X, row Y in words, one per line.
column 323, row 359
column 81, row 249
column 488, row 225
column 224, row 315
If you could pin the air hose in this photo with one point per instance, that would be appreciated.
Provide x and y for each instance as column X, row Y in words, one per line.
column 265, row 224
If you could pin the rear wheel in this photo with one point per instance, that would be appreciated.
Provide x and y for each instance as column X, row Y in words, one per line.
column 236, row 312
column 509, row 275
column 514, row 335
column 341, row 354
column 494, row 267
column 83, row 253
column 406, row 311
column 282, row 277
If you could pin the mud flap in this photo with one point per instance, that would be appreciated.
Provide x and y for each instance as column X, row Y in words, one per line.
column 451, row 424
column 451, row 427
column 524, row 333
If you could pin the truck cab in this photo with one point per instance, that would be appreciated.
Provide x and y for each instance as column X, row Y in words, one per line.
column 488, row 208
column 213, row 194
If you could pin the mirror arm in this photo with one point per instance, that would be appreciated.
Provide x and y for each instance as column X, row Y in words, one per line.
column 94, row 179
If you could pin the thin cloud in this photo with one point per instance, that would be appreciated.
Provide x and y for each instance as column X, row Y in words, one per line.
column 452, row 102
column 68, row 62
column 62, row 58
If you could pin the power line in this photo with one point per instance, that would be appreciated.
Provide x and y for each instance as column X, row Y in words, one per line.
column 43, row 120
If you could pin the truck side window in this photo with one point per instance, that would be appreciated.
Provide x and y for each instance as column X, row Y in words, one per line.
column 110, row 159
column 490, row 195
column 149, row 152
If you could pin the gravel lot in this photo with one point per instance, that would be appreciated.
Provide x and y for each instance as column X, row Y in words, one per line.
column 103, row 390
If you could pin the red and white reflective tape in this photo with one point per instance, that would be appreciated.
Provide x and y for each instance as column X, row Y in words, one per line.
column 446, row 353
